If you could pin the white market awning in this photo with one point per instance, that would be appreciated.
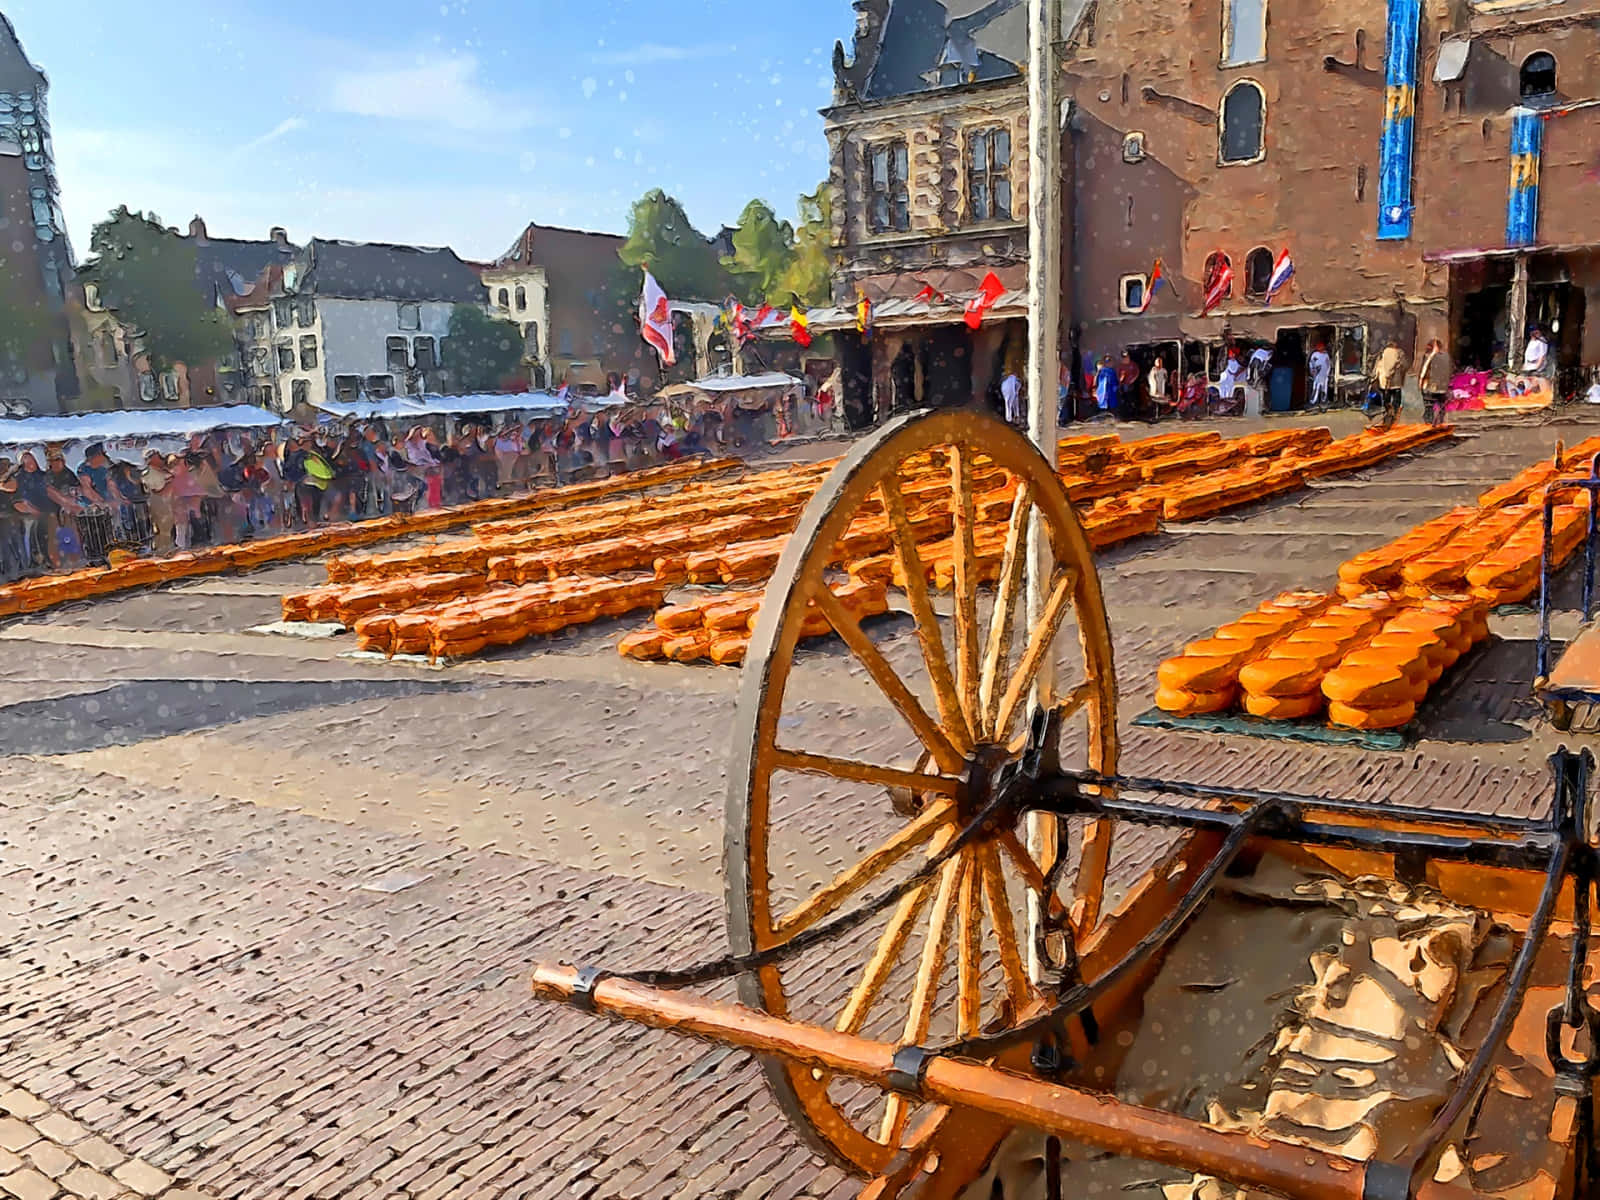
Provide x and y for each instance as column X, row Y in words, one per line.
column 127, row 424
column 745, row 383
column 401, row 407
column 902, row 314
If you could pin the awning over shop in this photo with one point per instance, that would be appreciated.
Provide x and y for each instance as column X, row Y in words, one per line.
column 734, row 383
column 400, row 407
column 128, row 423
column 904, row 314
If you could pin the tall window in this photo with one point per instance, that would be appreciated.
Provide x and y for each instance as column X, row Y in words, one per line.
column 305, row 312
column 308, row 352
column 989, row 175
column 1539, row 76
column 395, row 354
column 530, row 341
column 522, row 298
column 425, row 353
column 285, row 356
column 1257, row 272
column 505, row 298
column 346, row 387
column 566, row 343
column 1243, row 123
column 300, row 392
column 1244, row 32
column 283, row 313
column 380, row 387
column 411, row 315
column 889, row 196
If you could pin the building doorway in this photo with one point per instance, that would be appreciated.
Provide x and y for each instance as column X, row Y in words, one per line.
column 1287, row 389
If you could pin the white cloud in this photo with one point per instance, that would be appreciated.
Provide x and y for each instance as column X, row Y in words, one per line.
column 655, row 52
column 430, row 89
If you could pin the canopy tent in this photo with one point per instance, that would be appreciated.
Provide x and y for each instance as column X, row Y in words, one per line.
column 715, row 384
column 417, row 407
column 125, row 424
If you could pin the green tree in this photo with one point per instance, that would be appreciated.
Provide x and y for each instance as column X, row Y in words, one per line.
column 763, row 254
column 661, row 237
column 149, row 275
column 807, row 281
column 482, row 353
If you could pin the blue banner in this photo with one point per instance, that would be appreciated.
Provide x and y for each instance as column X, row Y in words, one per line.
column 1395, row 207
column 1522, row 206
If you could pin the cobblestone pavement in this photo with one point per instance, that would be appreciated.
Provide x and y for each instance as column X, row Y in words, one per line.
column 267, row 914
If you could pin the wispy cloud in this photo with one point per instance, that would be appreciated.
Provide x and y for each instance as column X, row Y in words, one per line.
column 281, row 129
column 435, row 90
column 654, row 52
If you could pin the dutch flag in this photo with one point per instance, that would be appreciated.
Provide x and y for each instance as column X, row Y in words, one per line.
column 1158, row 280
column 1282, row 272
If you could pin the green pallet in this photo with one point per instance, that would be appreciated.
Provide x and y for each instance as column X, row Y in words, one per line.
column 1243, row 725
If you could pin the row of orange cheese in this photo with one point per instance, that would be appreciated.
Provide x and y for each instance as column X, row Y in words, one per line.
column 717, row 628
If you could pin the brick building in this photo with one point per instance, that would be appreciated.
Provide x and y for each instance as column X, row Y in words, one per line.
column 1373, row 139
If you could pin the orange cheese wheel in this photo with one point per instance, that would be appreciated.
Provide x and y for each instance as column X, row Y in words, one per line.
column 1392, row 717
column 1322, row 654
column 679, row 618
column 1297, row 601
column 1410, row 661
column 642, row 644
column 1289, row 708
column 1187, row 704
column 1201, row 672
column 729, row 650
column 1218, row 647
column 1282, row 677
column 1371, row 687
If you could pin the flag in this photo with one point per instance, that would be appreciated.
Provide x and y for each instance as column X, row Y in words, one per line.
column 1282, row 272
column 1158, row 280
column 800, row 327
column 990, row 290
column 763, row 314
column 562, row 394
column 655, row 319
column 929, row 294
column 1219, row 287
column 863, row 315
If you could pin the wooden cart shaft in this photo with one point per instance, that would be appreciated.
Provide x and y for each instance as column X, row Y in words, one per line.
column 1072, row 1113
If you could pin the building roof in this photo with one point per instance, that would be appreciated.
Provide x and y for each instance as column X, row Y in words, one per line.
column 17, row 74
column 537, row 243
column 375, row 271
column 904, row 47
column 228, row 268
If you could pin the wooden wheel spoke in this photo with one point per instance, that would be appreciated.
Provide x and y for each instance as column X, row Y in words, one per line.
column 891, row 944
column 1040, row 642
column 997, row 653
column 969, row 950
column 851, row 880
column 861, row 772
column 928, row 633
column 1032, row 874
column 1018, row 986
column 926, row 992
column 966, row 582
column 893, row 687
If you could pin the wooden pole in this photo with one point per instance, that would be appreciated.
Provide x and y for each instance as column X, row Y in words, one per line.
column 1044, row 351
column 1096, row 1118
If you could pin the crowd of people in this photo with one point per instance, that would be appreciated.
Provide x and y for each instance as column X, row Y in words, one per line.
column 221, row 487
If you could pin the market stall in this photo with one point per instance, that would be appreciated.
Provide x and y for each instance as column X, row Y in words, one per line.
column 745, row 403
column 127, row 433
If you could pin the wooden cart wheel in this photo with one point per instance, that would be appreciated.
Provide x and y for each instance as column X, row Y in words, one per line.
column 962, row 688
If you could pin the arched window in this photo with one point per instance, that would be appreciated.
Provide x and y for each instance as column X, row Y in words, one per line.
column 1243, row 123
column 1216, row 264
column 505, row 298
column 1257, row 272
column 1539, row 76
column 522, row 298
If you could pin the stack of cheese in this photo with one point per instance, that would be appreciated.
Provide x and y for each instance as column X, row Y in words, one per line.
column 718, row 627
column 1509, row 572
column 346, row 602
column 504, row 616
column 1229, row 489
column 1380, row 684
column 1285, row 683
column 1205, row 678
column 1445, row 567
column 1381, row 568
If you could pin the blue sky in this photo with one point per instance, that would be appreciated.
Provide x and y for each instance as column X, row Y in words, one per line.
column 450, row 122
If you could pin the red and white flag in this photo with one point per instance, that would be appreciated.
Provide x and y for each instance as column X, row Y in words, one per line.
column 989, row 291
column 1219, row 288
column 655, row 319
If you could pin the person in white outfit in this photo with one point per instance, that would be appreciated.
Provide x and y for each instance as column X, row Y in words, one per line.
column 1011, row 393
column 1321, row 367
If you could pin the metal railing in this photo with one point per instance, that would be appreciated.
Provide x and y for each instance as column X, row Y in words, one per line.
column 1548, row 567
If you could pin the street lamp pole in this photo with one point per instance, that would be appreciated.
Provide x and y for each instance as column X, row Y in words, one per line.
column 1044, row 349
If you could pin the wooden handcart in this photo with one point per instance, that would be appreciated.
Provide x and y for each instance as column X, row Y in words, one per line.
column 993, row 841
